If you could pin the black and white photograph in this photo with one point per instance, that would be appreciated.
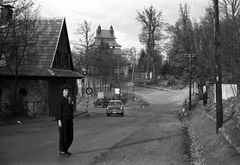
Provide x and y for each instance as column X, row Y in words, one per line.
column 119, row 82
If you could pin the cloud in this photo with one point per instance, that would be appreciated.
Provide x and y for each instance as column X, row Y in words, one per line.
column 121, row 14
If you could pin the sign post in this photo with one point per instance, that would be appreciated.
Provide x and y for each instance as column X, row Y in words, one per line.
column 89, row 91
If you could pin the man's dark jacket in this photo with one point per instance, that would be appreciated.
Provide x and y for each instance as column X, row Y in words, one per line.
column 63, row 109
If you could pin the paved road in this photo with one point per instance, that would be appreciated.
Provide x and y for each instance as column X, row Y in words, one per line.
column 144, row 136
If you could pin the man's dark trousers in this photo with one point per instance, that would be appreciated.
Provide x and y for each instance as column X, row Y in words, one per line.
column 66, row 134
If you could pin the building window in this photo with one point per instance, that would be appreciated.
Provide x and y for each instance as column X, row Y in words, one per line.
column 66, row 59
column 59, row 59
column 23, row 91
column 55, row 61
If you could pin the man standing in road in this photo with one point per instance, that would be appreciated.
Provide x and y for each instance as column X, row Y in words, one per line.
column 64, row 118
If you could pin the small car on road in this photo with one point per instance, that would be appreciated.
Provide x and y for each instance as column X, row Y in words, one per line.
column 115, row 107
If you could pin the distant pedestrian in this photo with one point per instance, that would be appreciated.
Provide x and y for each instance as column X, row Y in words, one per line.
column 205, row 96
column 64, row 118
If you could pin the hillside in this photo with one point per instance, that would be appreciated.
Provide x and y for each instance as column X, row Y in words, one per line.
column 207, row 146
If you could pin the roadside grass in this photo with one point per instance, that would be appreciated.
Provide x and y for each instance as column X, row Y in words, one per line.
column 185, row 112
column 231, row 120
column 191, row 145
column 230, row 129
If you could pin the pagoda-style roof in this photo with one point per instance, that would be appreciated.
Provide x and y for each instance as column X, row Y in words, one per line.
column 111, row 43
column 106, row 36
column 115, row 51
column 118, row 51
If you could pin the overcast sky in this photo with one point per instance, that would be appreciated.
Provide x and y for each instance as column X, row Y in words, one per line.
column 121, row 14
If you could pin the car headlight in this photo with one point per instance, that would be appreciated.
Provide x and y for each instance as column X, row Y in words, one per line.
column 107, row 108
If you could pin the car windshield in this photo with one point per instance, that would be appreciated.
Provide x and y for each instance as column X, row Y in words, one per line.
column 114, row 103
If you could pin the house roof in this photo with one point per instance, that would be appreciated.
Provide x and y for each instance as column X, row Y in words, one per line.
column 111, row 43
column 115, row 51
column 118, row 51
column 39, row 58
column 106, row 36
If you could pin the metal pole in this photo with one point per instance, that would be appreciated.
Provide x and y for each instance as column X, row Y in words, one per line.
column 193, row 87
column 219, row 108
column 87, row 103
column 118, row 70
column 133, row 71
column 190, row 82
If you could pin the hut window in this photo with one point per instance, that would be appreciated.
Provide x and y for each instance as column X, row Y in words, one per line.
column 23, row 91
column 59, row 59
column 66, row 59
column 55, row 61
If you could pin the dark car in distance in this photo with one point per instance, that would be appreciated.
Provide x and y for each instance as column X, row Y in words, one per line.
column 115, row 107
column 101, row 102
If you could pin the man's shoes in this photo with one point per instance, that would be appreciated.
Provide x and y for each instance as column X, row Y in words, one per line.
column 69, row 153
column 65, row 153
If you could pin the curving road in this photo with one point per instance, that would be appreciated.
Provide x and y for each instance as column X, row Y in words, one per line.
column 144, row 136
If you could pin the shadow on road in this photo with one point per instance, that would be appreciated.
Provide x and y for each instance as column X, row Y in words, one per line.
column 129, row 144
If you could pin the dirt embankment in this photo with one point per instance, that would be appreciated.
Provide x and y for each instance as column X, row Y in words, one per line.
column 207, row 146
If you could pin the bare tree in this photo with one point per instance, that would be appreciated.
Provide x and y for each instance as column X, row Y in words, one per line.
column 19, row 35
column 82, row 46
column 86, row 37
column 152, row 27
column 182, row 40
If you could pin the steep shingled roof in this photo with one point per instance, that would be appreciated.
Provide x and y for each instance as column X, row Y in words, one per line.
column 111, row 43
column 40, row 56
column 106, row 36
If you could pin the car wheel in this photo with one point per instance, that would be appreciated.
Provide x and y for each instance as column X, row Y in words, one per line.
column 122, row 114
column 108, row 114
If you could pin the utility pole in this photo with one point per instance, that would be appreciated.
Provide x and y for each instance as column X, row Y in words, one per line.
column 190, row 56
column 118, row 70
column 133, row 53
column 219, row 108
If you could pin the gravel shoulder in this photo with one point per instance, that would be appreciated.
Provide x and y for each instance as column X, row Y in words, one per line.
column 207, row 146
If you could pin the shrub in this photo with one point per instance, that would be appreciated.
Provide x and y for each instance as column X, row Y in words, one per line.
column 171, row 81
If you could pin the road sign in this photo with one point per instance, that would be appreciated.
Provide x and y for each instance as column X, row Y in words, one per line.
column 100, row 95
column 117, row 91
column 89, row 90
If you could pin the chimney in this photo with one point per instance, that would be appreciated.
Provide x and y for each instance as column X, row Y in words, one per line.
column 99, row 29
column 111, row 29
